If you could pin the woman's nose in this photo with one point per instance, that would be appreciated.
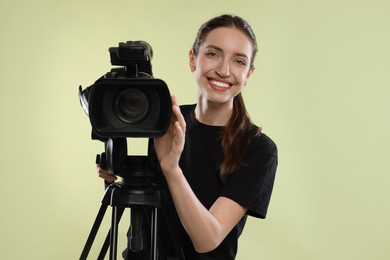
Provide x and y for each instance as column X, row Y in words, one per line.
column 223, row 70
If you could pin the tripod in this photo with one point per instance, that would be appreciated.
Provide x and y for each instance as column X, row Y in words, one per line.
column 145, row 200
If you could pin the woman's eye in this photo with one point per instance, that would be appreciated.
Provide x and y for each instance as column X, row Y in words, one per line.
column 212, row 54
column 241, row 62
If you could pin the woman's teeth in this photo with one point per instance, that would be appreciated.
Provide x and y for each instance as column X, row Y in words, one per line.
column 220, row 84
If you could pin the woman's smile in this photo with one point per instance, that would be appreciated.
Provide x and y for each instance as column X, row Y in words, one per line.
column 219, row 85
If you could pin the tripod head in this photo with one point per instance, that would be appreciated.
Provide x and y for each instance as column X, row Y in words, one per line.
column 129, row 167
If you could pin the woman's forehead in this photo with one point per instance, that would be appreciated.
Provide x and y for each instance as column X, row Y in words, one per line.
column 229, row 39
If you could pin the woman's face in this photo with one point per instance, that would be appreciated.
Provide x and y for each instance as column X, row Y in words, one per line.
column 222, row 65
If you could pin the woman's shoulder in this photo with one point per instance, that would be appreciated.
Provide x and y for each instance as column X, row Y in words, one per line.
column 264, row 144
column 187, row 109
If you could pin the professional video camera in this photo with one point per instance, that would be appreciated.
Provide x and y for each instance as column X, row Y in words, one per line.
column 129, row 102
column 126, row 102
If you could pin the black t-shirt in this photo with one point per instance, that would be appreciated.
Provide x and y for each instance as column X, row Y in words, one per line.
column 251, row 186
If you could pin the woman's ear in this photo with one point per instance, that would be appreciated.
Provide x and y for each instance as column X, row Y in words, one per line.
column 191, row 57
column 251, row 70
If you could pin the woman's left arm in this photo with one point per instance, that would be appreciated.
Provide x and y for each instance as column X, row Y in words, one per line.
column 206, row 228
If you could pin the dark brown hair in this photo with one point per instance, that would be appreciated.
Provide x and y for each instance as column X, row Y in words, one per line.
column 239, row 130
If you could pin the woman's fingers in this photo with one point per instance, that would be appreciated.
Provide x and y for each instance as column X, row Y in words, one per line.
column 106, row 174
column 178, row 115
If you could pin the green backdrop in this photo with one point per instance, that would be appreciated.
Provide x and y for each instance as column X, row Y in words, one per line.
column 320, row 90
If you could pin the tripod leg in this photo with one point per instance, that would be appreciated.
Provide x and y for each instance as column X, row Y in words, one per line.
column 114, row 233
column 106, row 244
column 153, row 236
column 93, row 232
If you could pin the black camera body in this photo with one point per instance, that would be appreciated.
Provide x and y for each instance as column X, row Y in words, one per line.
column 128, row 101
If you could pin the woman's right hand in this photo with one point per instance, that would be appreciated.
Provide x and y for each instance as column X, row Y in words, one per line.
column 107, row 175
column 170, row 146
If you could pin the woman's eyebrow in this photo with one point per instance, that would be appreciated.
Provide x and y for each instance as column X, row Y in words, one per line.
column 214, row 47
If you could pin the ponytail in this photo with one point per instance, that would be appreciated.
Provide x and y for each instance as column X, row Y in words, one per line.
column 236, row 138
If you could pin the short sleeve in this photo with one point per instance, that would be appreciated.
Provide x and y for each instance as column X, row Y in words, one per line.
column 252, row 185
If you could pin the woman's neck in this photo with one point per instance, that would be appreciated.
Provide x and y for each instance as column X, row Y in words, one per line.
column 213, row 114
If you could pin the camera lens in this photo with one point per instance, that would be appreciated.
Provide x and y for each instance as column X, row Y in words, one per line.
column 132, row 105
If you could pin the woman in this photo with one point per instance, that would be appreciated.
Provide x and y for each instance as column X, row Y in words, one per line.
column 218, row 166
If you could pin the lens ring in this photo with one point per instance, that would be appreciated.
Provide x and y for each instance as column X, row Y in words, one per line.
column 131, row 106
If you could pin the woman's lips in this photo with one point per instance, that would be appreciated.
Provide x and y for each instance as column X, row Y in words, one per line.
column 219, row 85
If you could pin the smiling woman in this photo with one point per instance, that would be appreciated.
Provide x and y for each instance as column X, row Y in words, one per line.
column 233, row 40
column 218, row 166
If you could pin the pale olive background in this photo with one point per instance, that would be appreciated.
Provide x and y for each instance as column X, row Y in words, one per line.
column 320, row 90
